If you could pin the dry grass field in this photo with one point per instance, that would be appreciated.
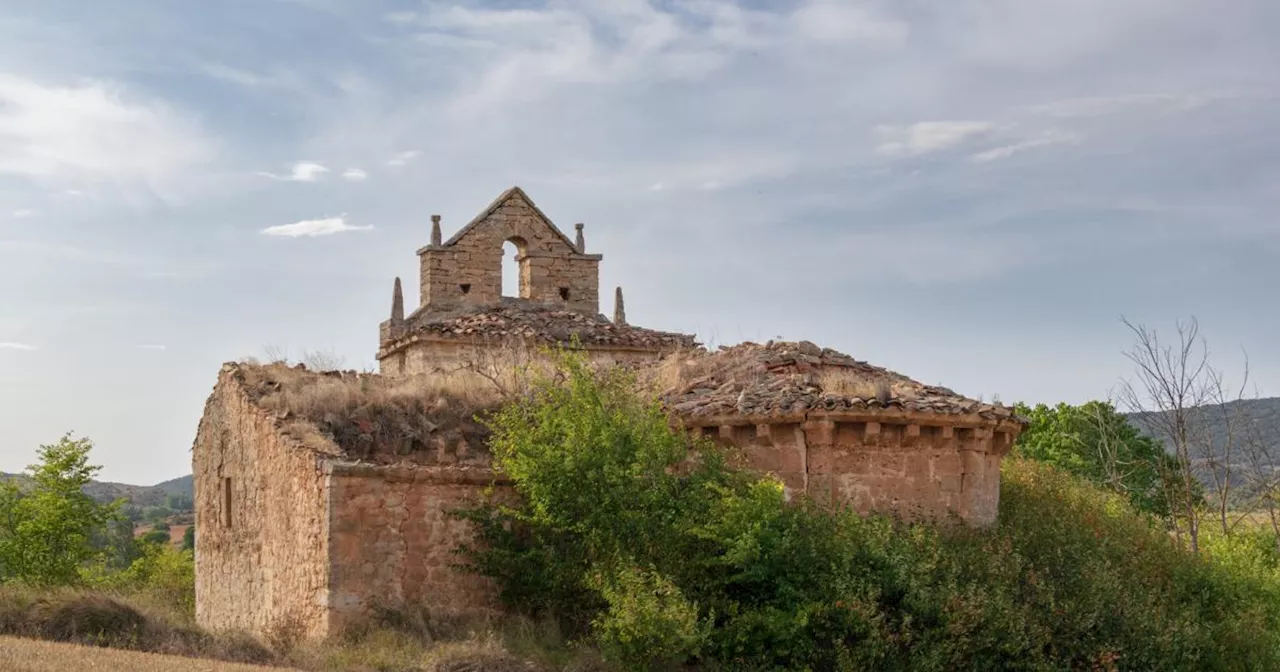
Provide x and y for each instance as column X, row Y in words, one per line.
column 31, row 655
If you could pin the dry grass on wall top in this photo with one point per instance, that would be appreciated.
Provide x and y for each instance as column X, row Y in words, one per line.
column 374, row 417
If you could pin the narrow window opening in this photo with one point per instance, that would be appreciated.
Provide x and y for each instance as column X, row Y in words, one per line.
column 226, row 502
column 465, row 287
column 510, row 269
column 564, row 293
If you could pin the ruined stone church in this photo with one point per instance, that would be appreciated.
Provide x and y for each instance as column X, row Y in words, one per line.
column 322, row 495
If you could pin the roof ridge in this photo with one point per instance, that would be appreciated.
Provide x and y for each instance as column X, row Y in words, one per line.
column 498, row 202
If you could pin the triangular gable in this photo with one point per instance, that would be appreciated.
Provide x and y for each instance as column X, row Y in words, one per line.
column 510, row 194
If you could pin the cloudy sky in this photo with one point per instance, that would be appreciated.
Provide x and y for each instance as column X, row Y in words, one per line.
column 972, row 192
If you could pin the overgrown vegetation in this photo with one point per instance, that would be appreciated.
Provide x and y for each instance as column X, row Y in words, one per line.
column 1096, row 442
column 648, row 551
column 658, row 553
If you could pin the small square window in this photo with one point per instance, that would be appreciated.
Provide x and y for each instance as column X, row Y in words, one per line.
column 564, row 293
column 465, row 288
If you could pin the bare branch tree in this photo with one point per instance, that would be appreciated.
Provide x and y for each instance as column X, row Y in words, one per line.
column 323, row 360
column 276, row 354
column 1171, row 382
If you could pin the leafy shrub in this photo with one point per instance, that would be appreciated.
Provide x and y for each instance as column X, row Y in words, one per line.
column 648, row 619
column 633, row 535
column 161, row 572
column 155, row 537
column 1096, row 442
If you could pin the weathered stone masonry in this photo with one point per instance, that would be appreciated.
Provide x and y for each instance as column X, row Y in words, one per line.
column 261, row 508
column 889, row 463
column 848, row 433
column 462, row 309
column 300, row 532
column 294, row 536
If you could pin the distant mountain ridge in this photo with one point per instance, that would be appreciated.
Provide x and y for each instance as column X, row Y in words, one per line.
column 1263, row 418
column 1262, row 414
column 139, row 495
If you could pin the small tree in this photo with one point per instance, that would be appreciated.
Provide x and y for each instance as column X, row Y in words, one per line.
column 49, row 532
column 1095, row 441
column 189, row 538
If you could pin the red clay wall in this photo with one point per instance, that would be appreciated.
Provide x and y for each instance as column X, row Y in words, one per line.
column 392, row 539
column 914, row 470
column 262, row 563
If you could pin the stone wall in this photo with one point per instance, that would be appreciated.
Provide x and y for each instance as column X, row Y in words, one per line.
column 466, row 271
column 444, row 355
column 261, row 511
column 392, row 540
column 925, row 467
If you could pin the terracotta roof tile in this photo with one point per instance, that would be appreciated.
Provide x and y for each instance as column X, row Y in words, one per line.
column 780, row 378
column 545, row 325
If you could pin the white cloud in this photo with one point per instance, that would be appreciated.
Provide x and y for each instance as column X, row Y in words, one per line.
column 234, row 75
column 401, row 17
column 1106, row 105
column 845, row 23
column 23, row 213
column 354, row 174
column 302, row 171
column 150, row 347
column 16, row 346
column 94, row 131
column 1046, row 139
column 927, row 137
column 314, row 227
column 403, row 157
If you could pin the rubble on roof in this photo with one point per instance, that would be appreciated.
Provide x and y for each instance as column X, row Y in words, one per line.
column 546, row 324
column 781, row 378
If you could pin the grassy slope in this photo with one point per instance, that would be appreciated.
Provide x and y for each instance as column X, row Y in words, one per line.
column 30, row 655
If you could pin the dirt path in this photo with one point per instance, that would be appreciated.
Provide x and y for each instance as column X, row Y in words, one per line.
column 30, row 655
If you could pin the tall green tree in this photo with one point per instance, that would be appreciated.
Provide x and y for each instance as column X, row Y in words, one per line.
column 1095, row 441
column 48, row 533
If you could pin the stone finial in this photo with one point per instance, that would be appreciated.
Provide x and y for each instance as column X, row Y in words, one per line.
column 619, row 309
column 582, row 241
column 435, row 230
column 397, row 303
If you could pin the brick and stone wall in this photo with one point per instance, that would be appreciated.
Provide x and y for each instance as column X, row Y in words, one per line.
column 914, row 466
column 437, row 355
column 466, row 271
column 262, row 514
column 392, row 540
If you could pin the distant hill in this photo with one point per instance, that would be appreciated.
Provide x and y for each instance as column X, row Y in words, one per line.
column 138, row 495
column 1261, row 415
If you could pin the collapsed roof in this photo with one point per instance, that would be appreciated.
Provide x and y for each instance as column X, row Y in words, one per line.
column 540, row 324
column 781, row 378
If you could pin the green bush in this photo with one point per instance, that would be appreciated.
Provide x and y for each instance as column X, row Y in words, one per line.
column 162, row 572
column 1096, row 442
column 630, row 534
column 647, row 619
